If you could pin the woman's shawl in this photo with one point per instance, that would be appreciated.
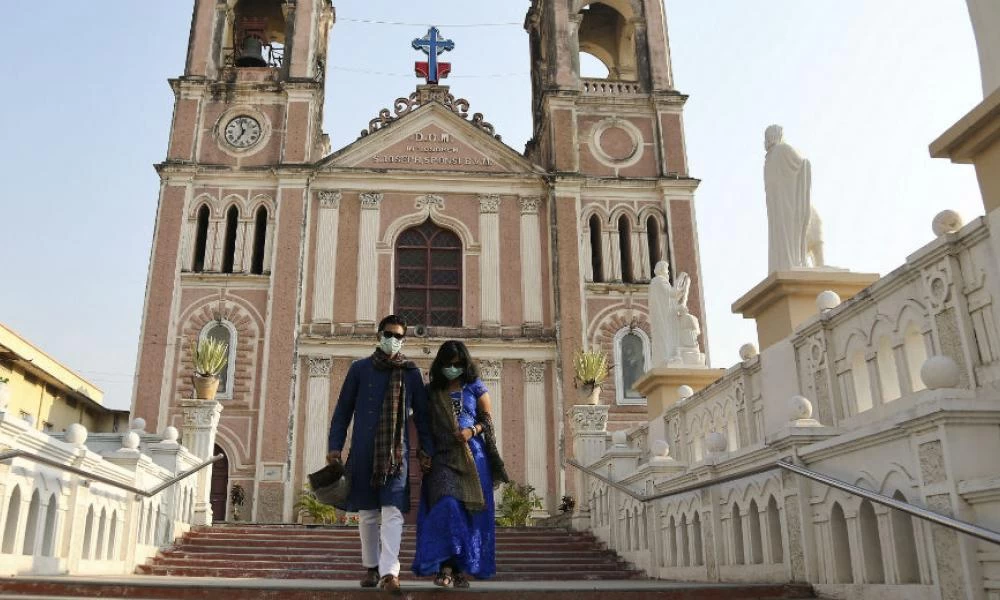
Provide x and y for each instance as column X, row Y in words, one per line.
column 454, row 455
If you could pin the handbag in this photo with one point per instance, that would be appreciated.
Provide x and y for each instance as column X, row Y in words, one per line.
column 331, row 485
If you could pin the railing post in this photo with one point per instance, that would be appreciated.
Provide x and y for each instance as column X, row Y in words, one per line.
column 201, row 421
column 590, row 431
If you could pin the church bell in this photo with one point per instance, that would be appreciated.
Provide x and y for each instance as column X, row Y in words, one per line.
column 252, row 53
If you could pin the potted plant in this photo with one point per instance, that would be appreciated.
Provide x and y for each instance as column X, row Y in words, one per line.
column 4, row 393
column 237, row 497
column 516, row 505
column 308, row 505
column 590, row 370
column 210, row 357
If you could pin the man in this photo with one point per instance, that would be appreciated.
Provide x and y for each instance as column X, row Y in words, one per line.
column 377, row 394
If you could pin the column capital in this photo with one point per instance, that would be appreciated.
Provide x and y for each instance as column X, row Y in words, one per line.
column 319, row 366
column 201, row 414
column 490, row 370
column 590, row 419
column 489, row 203
column 371, row 200
column 329, row 199
column 529, row 204
column 534, row 372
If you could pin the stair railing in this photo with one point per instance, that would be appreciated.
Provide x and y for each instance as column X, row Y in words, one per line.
column 917, row 511
column 10, row 454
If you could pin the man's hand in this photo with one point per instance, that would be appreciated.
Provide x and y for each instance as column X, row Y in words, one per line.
column 333, row 457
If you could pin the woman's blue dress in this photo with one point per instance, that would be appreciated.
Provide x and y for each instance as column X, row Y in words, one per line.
column 447, row 530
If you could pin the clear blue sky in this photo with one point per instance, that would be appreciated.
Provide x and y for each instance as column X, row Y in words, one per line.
column 861, row 87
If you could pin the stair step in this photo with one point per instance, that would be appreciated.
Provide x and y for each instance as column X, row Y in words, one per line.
column 355, row 573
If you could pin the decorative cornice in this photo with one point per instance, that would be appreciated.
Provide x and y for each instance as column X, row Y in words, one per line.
column 371, row 201
column 424, row 95
column 489, row 203
column 329, row 199
column 529, row 205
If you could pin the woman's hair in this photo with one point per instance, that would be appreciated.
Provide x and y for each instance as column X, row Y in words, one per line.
column 447, row 353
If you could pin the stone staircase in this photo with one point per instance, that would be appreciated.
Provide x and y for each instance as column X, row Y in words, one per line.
column 296, row 562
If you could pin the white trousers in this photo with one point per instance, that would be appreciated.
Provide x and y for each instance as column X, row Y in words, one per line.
column 380, row 545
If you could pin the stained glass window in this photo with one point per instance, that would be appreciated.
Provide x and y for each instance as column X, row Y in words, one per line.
column 429, row 276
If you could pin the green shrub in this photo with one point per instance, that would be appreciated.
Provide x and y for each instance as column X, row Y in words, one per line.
column 320, row 513
column 516, row 503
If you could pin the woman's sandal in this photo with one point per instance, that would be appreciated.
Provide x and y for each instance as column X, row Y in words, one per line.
column 445, row 579
column 460, row 581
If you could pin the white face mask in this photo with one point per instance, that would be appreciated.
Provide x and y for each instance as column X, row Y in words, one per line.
column 390, row 345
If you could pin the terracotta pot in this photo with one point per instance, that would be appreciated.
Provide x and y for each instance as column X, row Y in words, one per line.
column 589, row 394
column 205, row 388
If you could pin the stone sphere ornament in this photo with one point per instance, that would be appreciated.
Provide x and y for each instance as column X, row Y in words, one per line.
column 827, row 300
column 76, row 435
column 170, row 435
column 800, row 408
column 940, row 372
column 660, row 449
column 139, row 424
column 748, row 351
column 945, row 222
column 716, row 442
column 685, row 392
column 130, row 441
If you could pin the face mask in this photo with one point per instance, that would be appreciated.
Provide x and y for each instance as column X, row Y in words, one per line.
column 452, row 372
column 390, row 345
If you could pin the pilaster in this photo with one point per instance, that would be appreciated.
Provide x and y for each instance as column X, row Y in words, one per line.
column 535, row 433
column 201, row 422
column 326, row 253
column 367, row 301
column 489, row 266
column 531, row 261
column 317, row 421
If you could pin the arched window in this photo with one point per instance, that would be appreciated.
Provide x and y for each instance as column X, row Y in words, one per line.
column 672, row 543
column 625, row 249
column 871, row 543
column 609, row 36
column 10, row 526
column 259, row 241
column 102, row 528
column 48, row 536
column 653, row 244
column 842, row 572
column 200, row 240
column 685, row 558
column 631, row 356
column 257, row 36
column 756, row 544
column 887, row 373
column 429, row 276
column 229, row 245
column 596, row 250
column 113, row 536
column 699, row 558
column 916, row 355
column 905, row 544
column 88, row 534
column 774, row 531
column 31, row 524
column 862, row 384
column 225, row 332
column 736, row 524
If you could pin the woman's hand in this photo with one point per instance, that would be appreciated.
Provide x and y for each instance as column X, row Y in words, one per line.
column 464, row 434
column 425, row 461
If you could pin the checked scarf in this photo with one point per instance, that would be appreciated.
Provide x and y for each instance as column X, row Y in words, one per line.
column 389, row 432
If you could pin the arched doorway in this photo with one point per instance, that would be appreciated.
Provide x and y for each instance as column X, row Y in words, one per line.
column 220, row 485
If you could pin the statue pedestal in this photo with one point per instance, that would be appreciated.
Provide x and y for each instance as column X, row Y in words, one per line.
column 201, row 421
column 786, row 299
column 659, row 385
column 975, row 139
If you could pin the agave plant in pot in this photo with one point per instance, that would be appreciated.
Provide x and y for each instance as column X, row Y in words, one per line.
column 590, row 369
column 209, row 357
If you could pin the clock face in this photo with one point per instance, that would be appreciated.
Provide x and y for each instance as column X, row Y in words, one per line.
column 243, row 132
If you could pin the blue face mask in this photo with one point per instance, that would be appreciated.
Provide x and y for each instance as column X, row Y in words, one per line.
column 452, row 372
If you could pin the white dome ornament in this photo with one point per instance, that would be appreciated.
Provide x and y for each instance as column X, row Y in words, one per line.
column 827, row 300
column 170, row 435
column 748, row 351
column 684, row 392
column 945, row 222
column 800, row 410
column 76, row 435
column 130, row 442
column 139, row 425
column 940, row 372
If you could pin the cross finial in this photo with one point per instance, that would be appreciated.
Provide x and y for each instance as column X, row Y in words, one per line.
column 433, row 45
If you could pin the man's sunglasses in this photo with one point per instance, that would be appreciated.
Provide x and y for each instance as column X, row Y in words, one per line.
column 389, row 334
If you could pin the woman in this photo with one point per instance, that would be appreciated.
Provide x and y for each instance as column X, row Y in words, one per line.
column 456, row 533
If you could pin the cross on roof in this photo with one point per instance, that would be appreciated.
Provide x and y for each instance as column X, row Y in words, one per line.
column 433, row 46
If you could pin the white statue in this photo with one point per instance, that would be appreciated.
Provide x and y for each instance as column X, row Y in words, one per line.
column 672, row 331
column 689, row 349
column 794, row 229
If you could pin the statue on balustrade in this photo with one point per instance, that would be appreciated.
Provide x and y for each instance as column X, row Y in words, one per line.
column 675, row 330
column 794, row 230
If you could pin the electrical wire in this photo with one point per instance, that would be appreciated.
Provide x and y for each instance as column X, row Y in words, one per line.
column 453, row 25
column 410, row 75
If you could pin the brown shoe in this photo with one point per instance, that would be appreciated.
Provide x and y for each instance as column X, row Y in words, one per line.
column 390, row 583
column 370, row 579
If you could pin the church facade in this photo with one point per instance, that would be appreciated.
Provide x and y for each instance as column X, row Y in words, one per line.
column 291, row 253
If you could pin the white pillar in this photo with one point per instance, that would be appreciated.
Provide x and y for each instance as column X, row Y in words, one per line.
column 201, row 421
column 640, row 254
column 531, row 261
column 187, row 243
column 317, row 415
column 216, row 244
column 612, row 256
column 590, row 430
column 367, row 258
column 586, row 254
column 326, row 254
column 490, row 372
column 489, row 259
column 535, row 423
column 986, row 25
